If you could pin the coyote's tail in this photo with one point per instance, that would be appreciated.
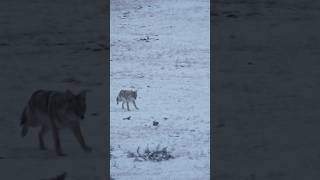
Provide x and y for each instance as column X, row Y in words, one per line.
column 23, row 123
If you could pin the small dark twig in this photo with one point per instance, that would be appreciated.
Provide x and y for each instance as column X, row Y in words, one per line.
column 127, row 118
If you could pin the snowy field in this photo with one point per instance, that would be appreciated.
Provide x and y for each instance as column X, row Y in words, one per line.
column 162, row 49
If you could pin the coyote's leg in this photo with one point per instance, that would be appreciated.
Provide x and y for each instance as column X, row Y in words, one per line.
column 122, row 105
column 134, row 103
column 128, row 106
column 78, row 134
column 41, row 134
column 56, row 139
column 53, row 117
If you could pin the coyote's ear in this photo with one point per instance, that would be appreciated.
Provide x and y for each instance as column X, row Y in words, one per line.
column 83, row 93
column 69, row 94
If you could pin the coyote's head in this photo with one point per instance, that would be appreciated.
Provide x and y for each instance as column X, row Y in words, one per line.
column 134, row 94
column 77, row 102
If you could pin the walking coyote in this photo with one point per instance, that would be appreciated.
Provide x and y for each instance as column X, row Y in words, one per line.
column 54, row 110
column 126, row 96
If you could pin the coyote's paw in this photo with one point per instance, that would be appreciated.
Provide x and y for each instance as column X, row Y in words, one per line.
column 87, row 149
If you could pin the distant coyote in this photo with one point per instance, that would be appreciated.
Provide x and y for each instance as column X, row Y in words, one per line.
column 126, row 96
column 53, row 110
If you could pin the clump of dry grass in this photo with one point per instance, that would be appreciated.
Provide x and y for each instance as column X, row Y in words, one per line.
column 157, row 154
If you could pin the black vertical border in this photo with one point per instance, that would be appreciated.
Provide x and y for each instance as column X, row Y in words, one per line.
column 214, row 64
column 272, row 130
column 108, row 87
column 21, row 21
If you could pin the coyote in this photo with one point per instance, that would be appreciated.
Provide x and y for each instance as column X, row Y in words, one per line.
column 126, row 96
column 53, row 110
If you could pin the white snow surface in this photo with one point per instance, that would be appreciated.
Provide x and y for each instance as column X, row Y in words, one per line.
column 162, row 49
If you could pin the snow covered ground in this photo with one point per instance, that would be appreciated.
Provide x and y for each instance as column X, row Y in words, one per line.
column 162, row 49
